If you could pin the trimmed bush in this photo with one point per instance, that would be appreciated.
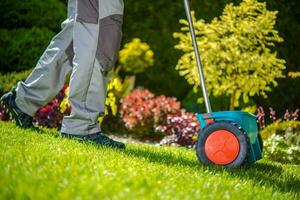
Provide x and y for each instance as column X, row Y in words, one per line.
column 30, row 13
column 23, row 47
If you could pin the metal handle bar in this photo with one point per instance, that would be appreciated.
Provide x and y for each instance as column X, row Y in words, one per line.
column 197, row 54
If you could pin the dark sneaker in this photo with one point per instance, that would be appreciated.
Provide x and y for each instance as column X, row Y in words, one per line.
column 22, row 119
column 97, row 138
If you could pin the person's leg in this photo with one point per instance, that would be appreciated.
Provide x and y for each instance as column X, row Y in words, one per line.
column 96, row 40
column 48, row 77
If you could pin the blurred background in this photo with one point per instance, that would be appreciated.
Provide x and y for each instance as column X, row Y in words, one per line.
column 26, row 28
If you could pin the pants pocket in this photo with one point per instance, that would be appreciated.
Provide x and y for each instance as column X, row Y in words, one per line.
column 110, row 36
column 88, row 11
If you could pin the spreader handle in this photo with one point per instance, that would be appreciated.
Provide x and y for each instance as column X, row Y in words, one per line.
column 197, row 54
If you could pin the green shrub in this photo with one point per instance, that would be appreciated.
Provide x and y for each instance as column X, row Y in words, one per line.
column 30, row 13
column 280, row 127
column 9, row 80
column 277, row 148
column 282, row 141
column 229, row 44
column 23, row 47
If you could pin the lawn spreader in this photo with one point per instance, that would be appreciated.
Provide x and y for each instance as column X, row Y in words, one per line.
column 227, row 138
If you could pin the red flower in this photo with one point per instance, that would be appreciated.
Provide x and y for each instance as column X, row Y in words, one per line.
column 50, row 115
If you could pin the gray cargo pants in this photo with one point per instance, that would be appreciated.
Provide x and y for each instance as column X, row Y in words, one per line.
column 88, row 44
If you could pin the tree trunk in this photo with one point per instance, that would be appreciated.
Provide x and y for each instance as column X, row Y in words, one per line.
column 232, row 99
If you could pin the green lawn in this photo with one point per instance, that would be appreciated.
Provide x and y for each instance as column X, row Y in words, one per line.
column 43, row 166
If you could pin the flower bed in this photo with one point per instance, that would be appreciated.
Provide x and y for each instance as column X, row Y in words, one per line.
column 181, row 129
column 142, row 111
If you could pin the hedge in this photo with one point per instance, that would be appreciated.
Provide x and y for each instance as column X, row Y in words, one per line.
column 30, row 13
column 23, row 47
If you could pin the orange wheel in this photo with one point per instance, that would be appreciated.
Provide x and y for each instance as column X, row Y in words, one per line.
column 222, row 147
column 222, row 143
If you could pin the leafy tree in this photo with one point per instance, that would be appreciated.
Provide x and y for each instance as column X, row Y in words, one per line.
column 236, row 51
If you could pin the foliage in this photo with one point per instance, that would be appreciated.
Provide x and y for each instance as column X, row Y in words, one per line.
column 189, row 103
column 278, row 148
column 281, row 137
column 280, row 127
column 219, row 103
column 142, row 111
column 30, row 13
column 236, row 52
column 65, row 105
column 114, row 90
column 136, row 56
column 114, row 87
column 294, row 75
column 9, row 80
column 284, row 96
column 250, row 109
column 22, row 48
column 41, row 166
column 181, row 129
column 51, row 115
column 157, row 30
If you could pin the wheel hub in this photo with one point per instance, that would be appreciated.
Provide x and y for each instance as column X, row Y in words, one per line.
column 222, row 147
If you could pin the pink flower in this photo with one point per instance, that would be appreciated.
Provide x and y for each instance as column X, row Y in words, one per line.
column 181, row 129
column 146, row 109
